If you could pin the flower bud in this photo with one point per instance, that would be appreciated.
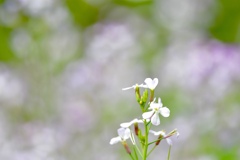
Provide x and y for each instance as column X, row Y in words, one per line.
column 145, row 96
column 137, row 93
column 125, row 145
column 136, row 128
column 159, row 139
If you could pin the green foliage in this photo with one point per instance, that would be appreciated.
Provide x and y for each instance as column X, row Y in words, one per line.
column 83, row 13
column 6, row 54
column 226, row 26
column 133, row 3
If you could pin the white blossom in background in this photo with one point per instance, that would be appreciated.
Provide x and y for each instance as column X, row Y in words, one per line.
column 12, row 89
column 202, row 65
column 106, row 41
column 36, row 7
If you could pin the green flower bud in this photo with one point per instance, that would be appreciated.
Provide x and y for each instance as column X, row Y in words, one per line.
column 145, row 96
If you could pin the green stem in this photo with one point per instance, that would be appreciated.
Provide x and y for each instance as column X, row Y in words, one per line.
column 135, row 153
column 155, row 141
column 169, row 151
column 138, row 150
column 151, row 95
column 146, row 141
column 131, row 156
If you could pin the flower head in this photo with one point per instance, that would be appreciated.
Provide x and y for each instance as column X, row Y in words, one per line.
column 123, row 135
column 151, row 84
column 156, row 109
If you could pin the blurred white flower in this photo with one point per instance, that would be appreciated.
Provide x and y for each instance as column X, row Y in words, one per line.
column 12, row 89
column 123, row 135
column 156, row 108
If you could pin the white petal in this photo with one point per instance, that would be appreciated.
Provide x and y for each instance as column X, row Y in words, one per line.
column 137, row 121
column 165, row 112
column 127, row 133
column 157, row 133
column 115, row 140
column 143, row 86
column 159, row 100
column 121, row 132
column 124, row 133
column 169, row 141
column 154, row 106
column 147, row 115
column 126, row 125
column 151, row 83
column 124, row 89
column 155, row 119
column 153, row 132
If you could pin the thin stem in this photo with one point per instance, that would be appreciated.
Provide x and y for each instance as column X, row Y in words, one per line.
column 134, row 144
column 131, row 156
column 135, row 153
column 155, row 141
column 138, row 150
column 151, row 95
column 169, row 151
column 151, row 150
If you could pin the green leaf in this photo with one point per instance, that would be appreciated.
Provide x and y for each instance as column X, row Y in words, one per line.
column 6, row 53
column 226, row 26
column 83, row 13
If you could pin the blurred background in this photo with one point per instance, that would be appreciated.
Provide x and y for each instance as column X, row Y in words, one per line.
column 63, row 64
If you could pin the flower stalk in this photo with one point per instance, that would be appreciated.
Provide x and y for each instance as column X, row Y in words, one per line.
column 148, row 118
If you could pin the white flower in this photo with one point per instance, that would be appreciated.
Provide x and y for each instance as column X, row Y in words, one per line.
column 151, row 84
column 123, row 135
column 128, row 124
column 169, row 141
column 135, row 86
column 154, row 113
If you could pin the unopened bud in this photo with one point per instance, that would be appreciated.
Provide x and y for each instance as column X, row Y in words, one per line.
column 137, row 93
column 144, row 97
column 136, row 129
column 159, row 139
column 125, row 145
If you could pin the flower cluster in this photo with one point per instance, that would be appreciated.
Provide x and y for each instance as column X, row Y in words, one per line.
column 151, row 111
